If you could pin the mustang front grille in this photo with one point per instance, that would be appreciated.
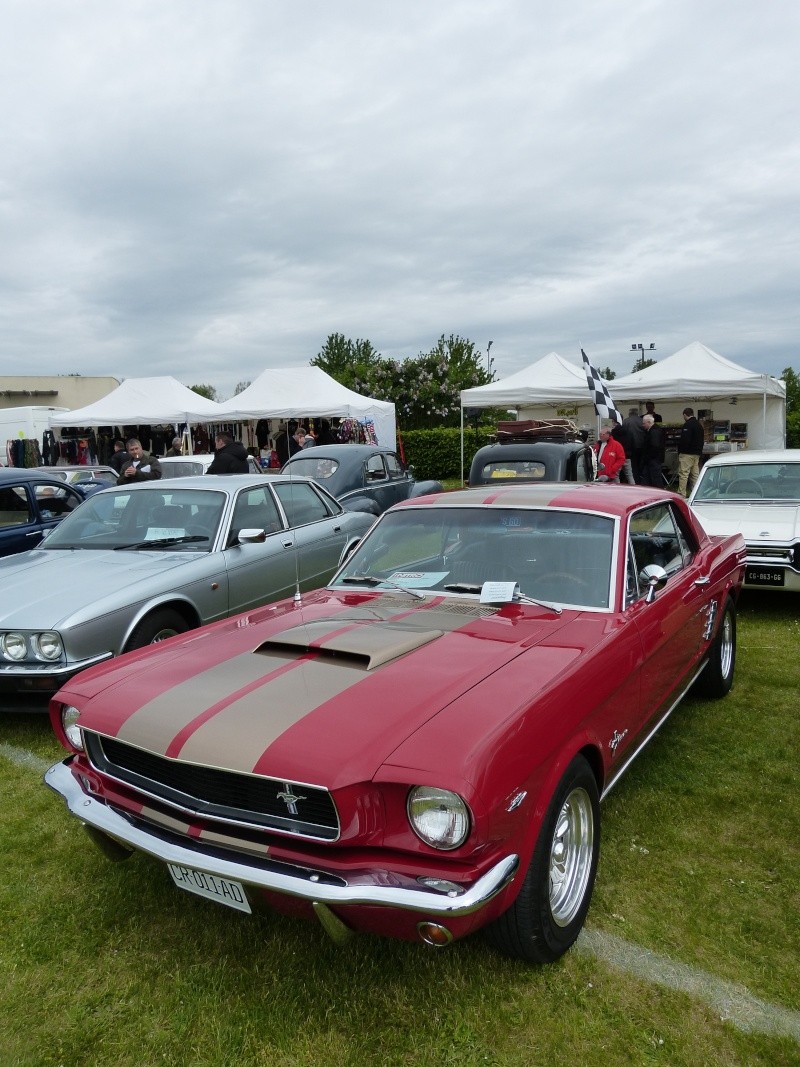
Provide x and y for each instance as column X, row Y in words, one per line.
column 223, row 796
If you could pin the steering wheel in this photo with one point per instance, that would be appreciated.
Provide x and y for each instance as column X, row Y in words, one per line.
column 744, row 487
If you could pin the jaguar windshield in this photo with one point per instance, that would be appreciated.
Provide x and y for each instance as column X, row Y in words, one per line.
column 164, row 519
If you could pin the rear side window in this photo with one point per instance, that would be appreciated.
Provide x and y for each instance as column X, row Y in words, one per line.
column 301, row 503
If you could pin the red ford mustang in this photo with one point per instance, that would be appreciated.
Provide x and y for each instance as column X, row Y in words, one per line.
column 420, row 748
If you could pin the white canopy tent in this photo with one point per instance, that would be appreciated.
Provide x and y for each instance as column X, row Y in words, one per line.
column 701, row 378
column 143, row 402
column 298, row 392
column 538, row 391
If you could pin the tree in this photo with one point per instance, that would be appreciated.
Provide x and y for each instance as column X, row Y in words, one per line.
column 792, row 408
column 424, row 389
column 607, row 373
column 642, row 362
column 208, row 391
column 240, row 387
column 346, row 360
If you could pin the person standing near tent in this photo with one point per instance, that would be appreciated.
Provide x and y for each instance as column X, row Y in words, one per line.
column 230, row 457
column 652, row 454
column 632, row 438
column 650, row 409
column 138, row 465
column 690, row 449
column 119, row 456
column 610, row 457
column 176, row 448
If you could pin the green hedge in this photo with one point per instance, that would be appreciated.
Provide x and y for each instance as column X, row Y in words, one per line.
column 437, row 453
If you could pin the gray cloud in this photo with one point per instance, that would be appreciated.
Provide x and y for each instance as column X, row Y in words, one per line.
column 205, row 190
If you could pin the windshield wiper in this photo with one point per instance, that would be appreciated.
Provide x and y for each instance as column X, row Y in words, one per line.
column 371, row 580
column 163, row 542
column 475, row 587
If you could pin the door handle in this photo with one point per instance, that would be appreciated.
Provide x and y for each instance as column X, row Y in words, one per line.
column 287, row 544
column 702, row 581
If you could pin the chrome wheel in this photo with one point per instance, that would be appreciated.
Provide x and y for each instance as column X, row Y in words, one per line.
column 727, row 645
column 571, row 857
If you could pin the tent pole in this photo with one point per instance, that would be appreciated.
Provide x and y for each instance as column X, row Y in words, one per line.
column 461, row 483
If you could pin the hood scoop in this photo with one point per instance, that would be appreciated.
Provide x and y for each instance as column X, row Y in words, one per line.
column 365, row 646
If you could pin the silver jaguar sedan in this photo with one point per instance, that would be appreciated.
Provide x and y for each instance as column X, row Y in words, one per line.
column 136, row 564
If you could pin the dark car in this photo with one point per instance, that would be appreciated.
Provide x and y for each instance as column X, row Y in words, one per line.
column 30, row 504
column 532, row 461
column 361, row 477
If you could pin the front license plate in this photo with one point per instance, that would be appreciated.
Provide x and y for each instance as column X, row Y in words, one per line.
column 764, row 575
column 210, row 886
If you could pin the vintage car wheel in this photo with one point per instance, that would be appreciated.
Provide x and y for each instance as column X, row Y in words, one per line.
column 549, row 911
column 157, row 627
column 717, row 678
column 748, row 486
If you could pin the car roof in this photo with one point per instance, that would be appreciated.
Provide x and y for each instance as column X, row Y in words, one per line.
column 746, row 455
column 339, row 451
column 608, row 499
column 29, row 474
column 529, row 448
column 78, row 466
column 228, row 482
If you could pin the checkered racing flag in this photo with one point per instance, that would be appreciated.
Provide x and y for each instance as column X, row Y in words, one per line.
column 603, row 404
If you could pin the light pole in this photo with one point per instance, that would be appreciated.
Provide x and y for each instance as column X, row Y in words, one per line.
column 641, row 349
column 489, row 360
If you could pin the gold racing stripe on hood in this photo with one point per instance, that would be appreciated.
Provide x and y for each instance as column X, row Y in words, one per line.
column 237, row 736
column 157, row 722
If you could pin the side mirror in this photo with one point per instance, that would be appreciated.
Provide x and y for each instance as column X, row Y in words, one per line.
column 251, row 537
column 655, row 578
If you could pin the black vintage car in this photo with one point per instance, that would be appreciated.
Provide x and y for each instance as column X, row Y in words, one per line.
column 361, row 477
column 517, row 461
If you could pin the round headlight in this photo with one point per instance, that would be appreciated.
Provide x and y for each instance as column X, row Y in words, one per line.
column 14, row 646
column 69, row 724
column 48, row 646
column 439, row 817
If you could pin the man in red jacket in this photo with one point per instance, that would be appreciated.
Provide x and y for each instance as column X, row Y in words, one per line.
column 610, row 457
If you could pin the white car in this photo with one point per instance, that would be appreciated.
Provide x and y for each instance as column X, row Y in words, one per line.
column 758, row 495
column 191, row 466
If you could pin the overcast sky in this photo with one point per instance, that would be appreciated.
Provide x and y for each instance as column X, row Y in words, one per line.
column 207, row 188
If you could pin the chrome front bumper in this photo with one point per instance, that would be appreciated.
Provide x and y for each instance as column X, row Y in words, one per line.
column 318, row 886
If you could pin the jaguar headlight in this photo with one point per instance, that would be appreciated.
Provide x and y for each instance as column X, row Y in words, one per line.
column 438, row 816
column 13, row 646
column 48, row 646
column 69, row 724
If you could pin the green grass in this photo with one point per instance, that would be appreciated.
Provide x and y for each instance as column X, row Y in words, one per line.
column 106, row 964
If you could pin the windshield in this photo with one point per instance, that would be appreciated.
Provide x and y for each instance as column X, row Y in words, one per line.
column 184, row 520
column 561, row 556
column 753, row 481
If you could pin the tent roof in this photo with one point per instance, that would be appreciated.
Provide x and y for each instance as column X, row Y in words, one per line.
column 145, row 402
column 694, row 372
column 551, row 380
column 300, row 391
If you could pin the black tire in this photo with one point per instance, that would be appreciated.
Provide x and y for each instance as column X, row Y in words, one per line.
column 717, row 678
column 157, row 627
column 549, row 912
